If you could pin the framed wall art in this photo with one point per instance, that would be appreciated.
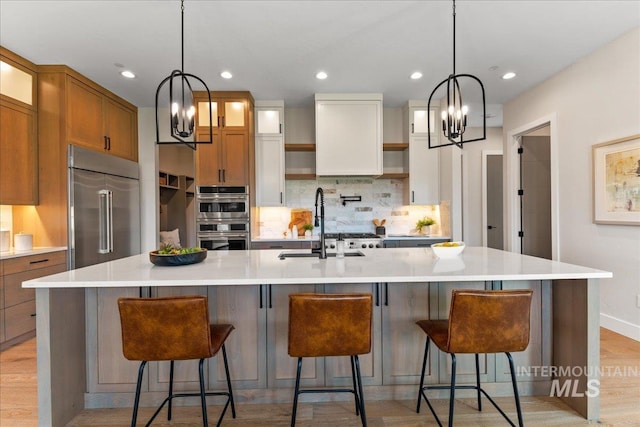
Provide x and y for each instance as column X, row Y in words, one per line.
column 616, row 181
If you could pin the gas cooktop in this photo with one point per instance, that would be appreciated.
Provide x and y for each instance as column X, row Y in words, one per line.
column 351, row 235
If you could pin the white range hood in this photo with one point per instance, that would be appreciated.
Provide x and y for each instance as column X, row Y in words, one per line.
column 348, row 134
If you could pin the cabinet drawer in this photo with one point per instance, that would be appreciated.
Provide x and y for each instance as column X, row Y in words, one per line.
column 14, row 293
column 19, row 319
column 33, row 262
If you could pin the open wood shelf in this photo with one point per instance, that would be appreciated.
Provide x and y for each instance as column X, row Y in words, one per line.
column 299, row 147
column 394, row 176
column 300, row 176
column 395, row 146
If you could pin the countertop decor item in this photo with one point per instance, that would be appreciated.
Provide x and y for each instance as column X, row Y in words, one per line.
column 447, row 249
column 5, row 240
column 170, row 260
column 423, row 225
column 454, row 114
column 23, row 241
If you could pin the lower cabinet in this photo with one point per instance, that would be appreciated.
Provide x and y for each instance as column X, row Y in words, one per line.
column 257, row 349
column 18, row 305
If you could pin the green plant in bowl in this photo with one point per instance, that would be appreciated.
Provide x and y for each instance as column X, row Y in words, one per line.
column 425, row 222
column 307, row 227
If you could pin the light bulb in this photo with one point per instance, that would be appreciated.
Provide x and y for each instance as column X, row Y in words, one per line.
column 465, row 110
column 458, row 114
column 174, row 109
column 191, row 112
column 451, row 109
column 444, row 115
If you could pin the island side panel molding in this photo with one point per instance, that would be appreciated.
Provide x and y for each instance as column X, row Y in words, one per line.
column 61, row 356
column 576, row 343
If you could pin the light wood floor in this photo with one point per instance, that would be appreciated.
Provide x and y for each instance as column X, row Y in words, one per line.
column 620, row 401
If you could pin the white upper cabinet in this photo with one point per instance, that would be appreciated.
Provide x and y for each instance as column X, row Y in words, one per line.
column 348, row 134
column 424, row 172
column 270, row 169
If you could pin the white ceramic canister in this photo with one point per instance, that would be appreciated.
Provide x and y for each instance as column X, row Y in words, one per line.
column 5, row 241
column 23, row 242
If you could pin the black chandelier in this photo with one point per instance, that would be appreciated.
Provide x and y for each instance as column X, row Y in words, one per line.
column 182, row 108
column 454, row 115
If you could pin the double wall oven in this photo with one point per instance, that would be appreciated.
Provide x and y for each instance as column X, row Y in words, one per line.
column 222, row 221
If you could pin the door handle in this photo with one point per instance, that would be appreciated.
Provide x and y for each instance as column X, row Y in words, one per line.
column 105, row 219
column 224, row 178
column 491, row 227
column 413, row 198
column 412, row 129
column 105, row 142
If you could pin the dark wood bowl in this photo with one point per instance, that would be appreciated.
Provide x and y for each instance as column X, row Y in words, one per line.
column 167, row 260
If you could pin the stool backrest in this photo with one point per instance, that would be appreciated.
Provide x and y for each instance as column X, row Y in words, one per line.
column 329, row 324
column 172, row 328
column 489, row 321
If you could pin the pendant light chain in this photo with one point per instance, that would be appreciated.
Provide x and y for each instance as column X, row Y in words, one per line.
column 454, row 37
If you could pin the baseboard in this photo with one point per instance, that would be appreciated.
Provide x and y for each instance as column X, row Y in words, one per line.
column 620, row 326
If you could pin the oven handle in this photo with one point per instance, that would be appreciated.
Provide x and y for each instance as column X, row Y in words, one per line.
column 222, row 198
column 222, row 235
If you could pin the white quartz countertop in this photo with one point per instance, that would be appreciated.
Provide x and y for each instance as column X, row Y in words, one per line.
column 259, row 267
column 35, row 251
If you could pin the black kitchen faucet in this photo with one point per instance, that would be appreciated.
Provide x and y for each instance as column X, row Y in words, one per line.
column 320, row 222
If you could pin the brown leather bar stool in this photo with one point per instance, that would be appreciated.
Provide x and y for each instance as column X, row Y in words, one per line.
column 479, row 322
column 173, row 328
column 323, row 325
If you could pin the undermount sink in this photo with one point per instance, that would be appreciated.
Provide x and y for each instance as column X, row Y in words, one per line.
column 284, row 255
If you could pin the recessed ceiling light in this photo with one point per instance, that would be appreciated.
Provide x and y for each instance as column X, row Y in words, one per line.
column 226, row 75
column 321, row 75
column 508, row 75
column 417, row 75
column 128, row 74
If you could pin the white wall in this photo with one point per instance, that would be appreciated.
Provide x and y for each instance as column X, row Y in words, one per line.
column 472, row 184
column 148, row 159
column 595, row 100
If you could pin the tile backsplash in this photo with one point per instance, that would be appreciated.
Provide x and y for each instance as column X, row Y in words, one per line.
column 381, row 199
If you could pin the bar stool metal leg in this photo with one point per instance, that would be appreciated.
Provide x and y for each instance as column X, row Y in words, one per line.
column 424, row 367
column 134, row 417
column 203, row 396
column 452, row 397
column 355, row 385
column 296, row 393
column 363, row 415
column 170, row 391
column 478, row 382
column 515, row 389
column 226, row 370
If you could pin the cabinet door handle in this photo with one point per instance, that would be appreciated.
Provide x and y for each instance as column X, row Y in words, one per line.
column 281, row 197
column 261, row 301
column 413, row 196
column 412, row 129
column 39, row 261
column 377, row 285
column 218, row 121
column 223, row 122
column 224, row 178
column 109, row 143
column 270, row 298
column 105, row 142
column 386, row 294
column 33, row 315
column 280, row 128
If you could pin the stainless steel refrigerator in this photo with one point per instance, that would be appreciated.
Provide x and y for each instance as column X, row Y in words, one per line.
column 104, row 207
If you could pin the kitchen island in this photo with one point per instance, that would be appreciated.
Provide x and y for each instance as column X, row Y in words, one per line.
column 565, row 321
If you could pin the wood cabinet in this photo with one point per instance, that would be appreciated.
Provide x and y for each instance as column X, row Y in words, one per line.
column 423, row 163
column 269, row 140
column 18, row 305
column 18, row 131
column 98, row 122
column 348, row 134
column 61, row 93
column 229, row 160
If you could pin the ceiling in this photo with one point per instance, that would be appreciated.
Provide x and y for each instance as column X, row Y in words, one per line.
column 275, row 48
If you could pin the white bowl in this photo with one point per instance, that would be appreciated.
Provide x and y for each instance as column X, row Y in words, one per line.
column 442, row 251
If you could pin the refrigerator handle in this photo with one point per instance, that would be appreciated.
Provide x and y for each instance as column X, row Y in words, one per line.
column 105, row 199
